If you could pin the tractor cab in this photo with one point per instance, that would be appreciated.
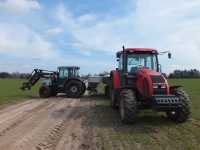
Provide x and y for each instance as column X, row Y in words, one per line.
column 68, row 72
column 132, row 59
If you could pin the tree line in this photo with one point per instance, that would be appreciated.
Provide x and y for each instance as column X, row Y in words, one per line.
column 193, row 73
column 14, row 75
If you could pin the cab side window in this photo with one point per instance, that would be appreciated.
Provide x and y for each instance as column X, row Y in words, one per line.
column 63, row 73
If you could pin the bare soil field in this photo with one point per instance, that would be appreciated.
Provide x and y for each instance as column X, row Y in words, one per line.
column 51, row 124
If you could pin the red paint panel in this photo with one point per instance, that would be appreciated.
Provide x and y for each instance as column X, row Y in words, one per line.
column 116, row 79
column 144, row 78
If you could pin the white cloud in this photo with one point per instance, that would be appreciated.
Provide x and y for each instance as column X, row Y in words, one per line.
column 166, row 25
column 106, row 35
column 25, row 49
column 19, row 6
column 55, row 31
column 172, row 25
column 23, row 42
column 87, row 18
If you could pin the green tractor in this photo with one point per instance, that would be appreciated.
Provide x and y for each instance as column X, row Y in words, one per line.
column 65, row 80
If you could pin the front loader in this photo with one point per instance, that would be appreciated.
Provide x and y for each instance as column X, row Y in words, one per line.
column 65, row 80
column 138, row 84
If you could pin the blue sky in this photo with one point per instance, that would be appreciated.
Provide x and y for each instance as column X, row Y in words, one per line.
column 48, row 33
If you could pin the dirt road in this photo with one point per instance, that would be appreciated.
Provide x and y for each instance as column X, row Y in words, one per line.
column 51, row 124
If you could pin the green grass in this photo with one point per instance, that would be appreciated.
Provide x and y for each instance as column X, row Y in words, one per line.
column 10, row 92
column 151, row 130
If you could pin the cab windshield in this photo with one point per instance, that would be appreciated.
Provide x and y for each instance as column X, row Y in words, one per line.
column 136, row 61
column 66, row 73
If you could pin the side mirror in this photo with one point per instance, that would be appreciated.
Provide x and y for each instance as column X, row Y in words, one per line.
column 118, row 59
column 118, row 55
column 117, row 69
column 169, row 55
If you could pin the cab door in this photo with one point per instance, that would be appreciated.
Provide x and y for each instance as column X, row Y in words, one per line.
column 63, row 75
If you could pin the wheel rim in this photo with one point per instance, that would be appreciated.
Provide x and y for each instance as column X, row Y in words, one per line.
column 173, row 113
column 73, row 89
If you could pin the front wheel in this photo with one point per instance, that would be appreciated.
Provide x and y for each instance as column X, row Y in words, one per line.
column 128, row 106
column 183, row 113
column 44, row 92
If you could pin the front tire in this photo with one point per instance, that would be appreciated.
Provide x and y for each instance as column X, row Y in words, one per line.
column 44, row 92
column 128, row 106
column 184, row 112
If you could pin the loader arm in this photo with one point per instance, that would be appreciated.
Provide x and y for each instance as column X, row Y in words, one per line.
column 35, row 76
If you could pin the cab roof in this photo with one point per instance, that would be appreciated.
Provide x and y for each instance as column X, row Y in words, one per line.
column 148, row 50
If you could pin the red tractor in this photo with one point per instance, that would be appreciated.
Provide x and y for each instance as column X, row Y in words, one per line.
column 139, row 84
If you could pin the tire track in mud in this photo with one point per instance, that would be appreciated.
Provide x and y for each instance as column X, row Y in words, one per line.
column 31, row 139
column 69, row 133
column 51, row 124
column 23, row 117
column 24, row 125
column 53, row 137
column 8, row 108
column 55, row 134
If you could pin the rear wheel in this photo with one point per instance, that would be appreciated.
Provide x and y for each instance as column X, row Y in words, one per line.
column 74, row 89
column 128, row 106
column 44, row 92
column 183, row 113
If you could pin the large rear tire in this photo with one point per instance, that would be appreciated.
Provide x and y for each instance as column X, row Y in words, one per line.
column 45, row 91
column 74, row 89
column 183, row 113
column 128, row 106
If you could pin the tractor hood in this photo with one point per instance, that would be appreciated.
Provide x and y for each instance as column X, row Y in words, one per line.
column 152, row 82
column 152, row 76
column 150, row 72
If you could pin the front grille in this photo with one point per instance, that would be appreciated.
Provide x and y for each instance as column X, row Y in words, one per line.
column 163, row 100
column 166, row 103
column 157, row 79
